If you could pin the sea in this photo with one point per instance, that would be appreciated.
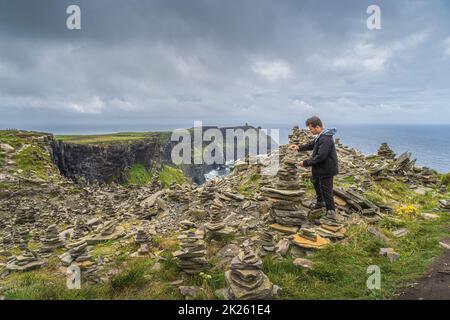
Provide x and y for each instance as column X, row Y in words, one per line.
column 429, row 144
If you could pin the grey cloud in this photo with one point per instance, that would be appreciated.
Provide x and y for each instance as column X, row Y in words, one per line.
column 224, row 62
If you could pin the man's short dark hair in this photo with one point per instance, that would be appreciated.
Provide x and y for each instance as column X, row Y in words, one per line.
column 314, row 121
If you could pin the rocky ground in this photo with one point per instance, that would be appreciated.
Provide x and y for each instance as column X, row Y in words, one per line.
column 250, row 235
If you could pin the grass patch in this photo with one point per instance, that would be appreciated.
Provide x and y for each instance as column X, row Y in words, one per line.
column 250, row 186
column 131, row 277
column 2, row 158
column 169, row 175
column 34, row 160
column 340, row 270
column 445, row 178
column 42, row 285
column 121, row 137
column 138, row 175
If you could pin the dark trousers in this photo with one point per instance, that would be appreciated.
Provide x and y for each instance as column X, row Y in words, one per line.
column 324, row 191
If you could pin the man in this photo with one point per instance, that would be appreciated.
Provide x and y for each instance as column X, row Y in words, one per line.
column 324, row 164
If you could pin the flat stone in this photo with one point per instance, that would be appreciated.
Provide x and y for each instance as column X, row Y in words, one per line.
column 235, row 196
column 400, row 232
column 26, row 267
column 282, row 246
column 319, row 243
column 6, row 147
column 189, row 291
column 288, row 193
column 429, row 216
column 303, row 263
column 99, row 238
column 284, row 229
column 151, row 200
column 377, row 233
column 66, row 259
column 93, row 222
column 445, row 244
column 390, row 253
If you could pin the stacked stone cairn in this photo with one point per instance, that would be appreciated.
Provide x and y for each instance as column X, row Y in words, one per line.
column 246, row 280
column 108, row 229
column 286, row 196
column 207, row 193
column 78, row 254
column 28, row 260
column 294, row 137
column 191, row 255
column 143, row 240
column 25, row 215
column 109, row 209
column 267, row 243
column 7, row 240
column 78, row 230
column 216, row 226
column 50, row 242
column 386, row 152
column 444, row 205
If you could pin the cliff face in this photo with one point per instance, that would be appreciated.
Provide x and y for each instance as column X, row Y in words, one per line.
column 106, row 163
column 111, row 162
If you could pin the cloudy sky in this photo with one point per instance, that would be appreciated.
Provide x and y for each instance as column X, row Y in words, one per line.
column 137, row 64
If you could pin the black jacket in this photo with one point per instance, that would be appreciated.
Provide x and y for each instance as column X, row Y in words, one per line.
column 323, row 161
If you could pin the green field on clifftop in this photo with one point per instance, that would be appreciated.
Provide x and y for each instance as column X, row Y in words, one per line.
column 121, row 137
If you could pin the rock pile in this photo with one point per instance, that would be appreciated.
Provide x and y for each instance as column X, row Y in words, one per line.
column 29, row 260
column 191, row 256
column 445, row 205
column 79, row 229
column 286, row 196
column 207, row 193
column 78, row 254
column 216, row 227
column 25, row 215
column 7, row 240
column 267, row 243
column 310, row 240
column 50, row 242
column 246, row 280
column 109, row 231
column 143, row 240
column 384, row 151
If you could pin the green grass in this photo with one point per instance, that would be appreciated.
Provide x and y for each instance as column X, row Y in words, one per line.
column 250, row 186
column 10, row 137
column 2, row 158
column 340, row 270
column 122, row 137
column 34, row 160
column 169, row 175
column 445, row 178
column 138, row 175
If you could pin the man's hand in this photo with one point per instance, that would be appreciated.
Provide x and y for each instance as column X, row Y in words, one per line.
column 301, row 164
column 294, row 147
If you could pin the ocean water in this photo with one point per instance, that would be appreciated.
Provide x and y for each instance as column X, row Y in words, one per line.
column 429, row 144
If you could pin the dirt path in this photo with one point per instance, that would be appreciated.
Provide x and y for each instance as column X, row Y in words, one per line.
column 434, row 285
